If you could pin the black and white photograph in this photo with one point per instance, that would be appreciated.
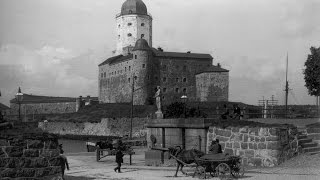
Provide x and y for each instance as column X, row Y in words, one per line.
column 159, row 89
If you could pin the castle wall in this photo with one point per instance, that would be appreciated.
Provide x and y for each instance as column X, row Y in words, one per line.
column 212, row 86
column 132, row 24
column 177, row 78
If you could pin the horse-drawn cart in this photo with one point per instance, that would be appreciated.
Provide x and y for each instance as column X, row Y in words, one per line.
column 221, row 165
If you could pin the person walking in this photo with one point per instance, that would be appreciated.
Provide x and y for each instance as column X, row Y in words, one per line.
column 119, row 160
column 63, row 163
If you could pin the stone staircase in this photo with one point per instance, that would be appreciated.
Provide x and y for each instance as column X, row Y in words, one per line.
column 307, row 143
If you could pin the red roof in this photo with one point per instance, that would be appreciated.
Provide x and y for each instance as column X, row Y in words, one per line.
column 29, row 99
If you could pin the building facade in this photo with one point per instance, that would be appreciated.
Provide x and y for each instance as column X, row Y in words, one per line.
column 139, row 68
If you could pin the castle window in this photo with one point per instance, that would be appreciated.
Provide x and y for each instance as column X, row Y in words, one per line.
column 143, row 65
column 135, row 56
column 164, row 90
column 163, row 98
column 119, row 26
column 156, row 78
column 184, row 68
column 129, row 24
column 115, row 72
column 130, row 11
column 129, row 68
column 177, row 90
column 177, row 79
column 118, row 36
column 148, row 77
column 112, row 73
column 129, row 80
column 125, row 69
column 184, row 79
column 184, row 90
column 177, row 67
column 105, row 74
column 129, row 34
column 142, row 24
column 101, row 75
column 142, row 36
column 164, row 79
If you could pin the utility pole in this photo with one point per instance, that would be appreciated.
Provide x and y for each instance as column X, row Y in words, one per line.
column 286, row 89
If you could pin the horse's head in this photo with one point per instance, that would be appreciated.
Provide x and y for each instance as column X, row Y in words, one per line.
column 173, row 151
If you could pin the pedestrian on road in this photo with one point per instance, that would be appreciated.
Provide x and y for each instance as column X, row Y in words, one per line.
column 63, row 163
column 119, row 160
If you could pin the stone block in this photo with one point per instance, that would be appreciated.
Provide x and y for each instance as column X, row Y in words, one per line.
column 263, row 132
column 274, row 145
column 13, row 163
column 244, row 145
column 228, row 145
column 245, row 138
column 222, row 139
column 255, row 161
column 255, row 145
column 236, row 137
column 14, row 151
column 228, row 150
column 35, row 144
column 9, row 172
column 4, row 142
column 236, row 145
column 4, row 162
column 251, row 145
column 19, row 142
column 249, row 153
column 243, row 130
column 53, row 170
column 41, row 172
column 272, row 138
column 54, row 161
column 40, row 162
column 223, row 132
column 262, row 146
column 273, row 132
column 254, row 131
column 31, row 153
column 2, row 153
column 49, row 153
column 25, row 172
column 313, row 130
column 251, row 139
column 27, row 163
column 314, row 136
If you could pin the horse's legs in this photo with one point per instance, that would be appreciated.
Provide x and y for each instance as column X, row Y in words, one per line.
column 178, row 164
column 182, row 169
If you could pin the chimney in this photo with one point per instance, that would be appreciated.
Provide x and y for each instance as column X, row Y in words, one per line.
column 189, row 52
column 219, row 65
column 160, row 49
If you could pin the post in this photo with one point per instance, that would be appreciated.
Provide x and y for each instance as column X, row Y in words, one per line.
column 19, row 111
column 199, row 142
column 163, row 143
column 131, row 118
column 183, row 133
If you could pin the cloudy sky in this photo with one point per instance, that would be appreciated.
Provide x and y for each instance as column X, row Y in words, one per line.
column 53, row 47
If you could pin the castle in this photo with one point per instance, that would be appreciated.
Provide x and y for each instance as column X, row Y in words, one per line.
column 139, row 68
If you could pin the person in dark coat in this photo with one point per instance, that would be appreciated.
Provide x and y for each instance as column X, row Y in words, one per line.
column 226, row 113
column 236, row 112
column 215, row 147
column 63, row 163
column 119, row 160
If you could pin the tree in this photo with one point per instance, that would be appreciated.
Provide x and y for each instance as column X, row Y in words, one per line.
column 312, row 72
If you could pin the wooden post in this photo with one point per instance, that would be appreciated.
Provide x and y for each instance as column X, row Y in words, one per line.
column 183, row 132
column 199, row 142
column 163, row 143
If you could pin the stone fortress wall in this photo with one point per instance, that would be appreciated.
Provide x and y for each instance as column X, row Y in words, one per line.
column 212, row 86
column 29, row 157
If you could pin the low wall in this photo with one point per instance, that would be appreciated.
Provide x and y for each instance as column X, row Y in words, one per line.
column 313, row 133
column 107, row 127
column 29, row 157
column 258, row 146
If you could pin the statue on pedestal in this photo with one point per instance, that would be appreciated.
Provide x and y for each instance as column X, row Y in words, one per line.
column 158, row 103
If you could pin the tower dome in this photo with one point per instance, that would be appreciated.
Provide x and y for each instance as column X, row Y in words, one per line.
column 141, row 44
column 134, row 7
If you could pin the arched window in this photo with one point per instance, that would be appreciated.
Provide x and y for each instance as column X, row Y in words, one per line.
column 164, row 79
column 184, row 90
column 129, row 80
column 135, row 56
column 142, row 36
column 129, row 24
column 105, row 74
column 129, row 34
column 142, row 24
column 177, row 79
column 177, row 90
column 125, row 69
column 164, row 90
column 143, row 65
column 184, row 79
column 101, row 75
column 119, row 26
column 129, row 68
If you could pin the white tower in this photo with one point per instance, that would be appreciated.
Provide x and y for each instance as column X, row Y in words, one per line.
column 133, row 23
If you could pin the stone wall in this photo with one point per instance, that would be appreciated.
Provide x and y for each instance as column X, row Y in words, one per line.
column 43, row 108
column 107, row 127
column 29, row 157
column 258, row 146
column 313, row 133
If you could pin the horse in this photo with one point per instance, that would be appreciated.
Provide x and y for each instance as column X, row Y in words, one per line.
column 184, row 157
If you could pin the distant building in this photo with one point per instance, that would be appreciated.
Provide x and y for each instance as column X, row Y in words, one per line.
column 177, row 73
column 42, row 105
column 3, row 109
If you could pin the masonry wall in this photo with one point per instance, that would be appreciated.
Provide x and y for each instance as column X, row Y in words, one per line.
column 212, row 86
column 107, row 127
column 43, row 108
column 258, row 146
column 29, row 157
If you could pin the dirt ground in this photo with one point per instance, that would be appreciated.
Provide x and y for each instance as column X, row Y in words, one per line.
column 83, row 166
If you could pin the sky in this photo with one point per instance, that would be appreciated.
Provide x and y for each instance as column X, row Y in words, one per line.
column 53, row 47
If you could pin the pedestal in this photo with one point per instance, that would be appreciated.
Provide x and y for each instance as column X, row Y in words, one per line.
column 159, row 115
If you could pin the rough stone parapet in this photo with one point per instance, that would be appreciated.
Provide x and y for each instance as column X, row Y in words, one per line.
column 258, row 146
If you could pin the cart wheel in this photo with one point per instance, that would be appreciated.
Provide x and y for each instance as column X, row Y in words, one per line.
column 237, row 170
column 200, row 172
column 223, row 171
